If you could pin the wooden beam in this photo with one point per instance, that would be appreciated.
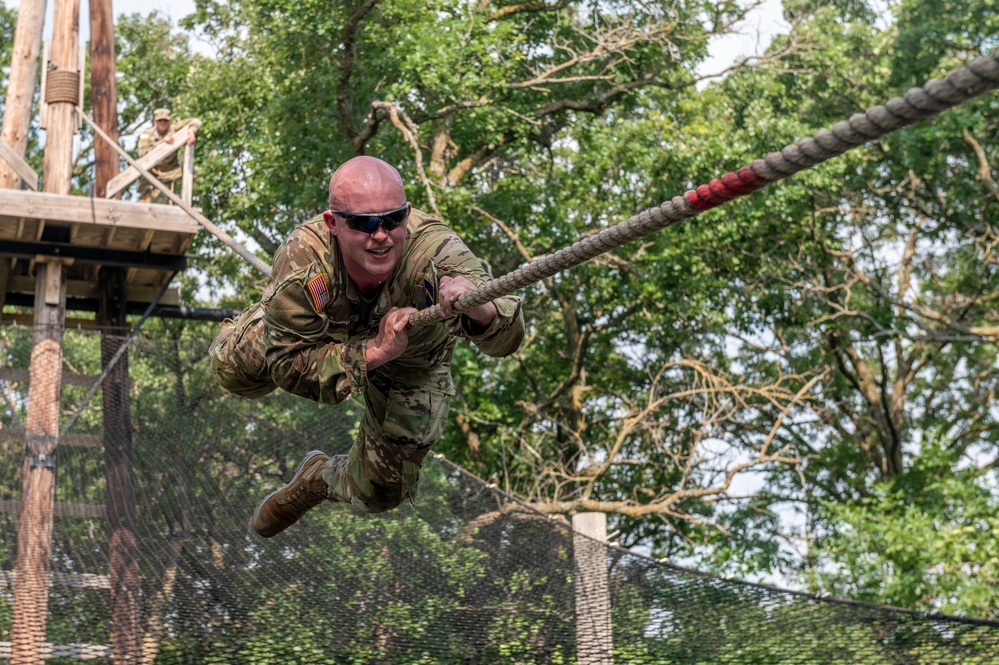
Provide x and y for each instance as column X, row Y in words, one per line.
column 78, row 651
column 34, row 529
column 21, row 167
column 70, row 440
column 79, row 288
column 103, row 92
column 21, row 84
column 23, row 375
column 81, row 581
column 594, row 634
column 71, row 322
column 148, row 161
column 187, row 181
column 119, row 456
column 87, row 510
column 83, row 210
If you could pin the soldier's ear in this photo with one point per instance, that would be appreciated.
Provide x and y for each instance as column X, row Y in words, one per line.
column 330, row 221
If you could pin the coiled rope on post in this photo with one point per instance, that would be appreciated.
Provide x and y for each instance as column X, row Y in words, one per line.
column 62, row 85
column 918, row 104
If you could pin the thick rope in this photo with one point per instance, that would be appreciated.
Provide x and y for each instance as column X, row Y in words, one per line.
column 918, row 104
column 62, row 85
column 231, row 242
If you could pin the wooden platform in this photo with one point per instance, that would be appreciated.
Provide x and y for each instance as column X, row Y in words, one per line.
column 150, row 240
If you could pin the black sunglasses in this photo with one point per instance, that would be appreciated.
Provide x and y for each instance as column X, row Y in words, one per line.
column 368, row 222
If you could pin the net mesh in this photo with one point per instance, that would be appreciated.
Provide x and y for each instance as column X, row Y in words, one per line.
column 151, row 559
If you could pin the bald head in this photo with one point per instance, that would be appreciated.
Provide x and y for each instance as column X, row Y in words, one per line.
column 366, row 184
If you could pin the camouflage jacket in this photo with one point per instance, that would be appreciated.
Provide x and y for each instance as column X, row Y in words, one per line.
column 169, row 167
column 317, row 325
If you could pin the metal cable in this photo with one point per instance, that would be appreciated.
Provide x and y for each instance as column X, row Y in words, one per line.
column 114, row 360
column 917, row 104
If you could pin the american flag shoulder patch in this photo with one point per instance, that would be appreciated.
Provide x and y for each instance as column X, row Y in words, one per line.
column 319, row 292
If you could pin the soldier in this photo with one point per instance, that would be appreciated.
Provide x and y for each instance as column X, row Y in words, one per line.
column 332, row 322
column 168, row 171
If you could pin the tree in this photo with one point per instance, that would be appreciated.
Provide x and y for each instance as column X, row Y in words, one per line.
column 821, row 338
column 880, row 268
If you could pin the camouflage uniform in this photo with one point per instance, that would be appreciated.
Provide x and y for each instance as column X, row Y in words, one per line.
column 308, row 335
column 169, row 170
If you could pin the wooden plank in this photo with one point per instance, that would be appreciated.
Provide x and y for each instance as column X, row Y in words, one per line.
column 10, row 374
column 21, row 79
column 87, row 510
column 84, row 289
column 77, row 581
column 187, row 181
column 78, row 651
column 27, row 319
column 100, row 212
column 20, row 167
column 148, row 161
column 70, row 440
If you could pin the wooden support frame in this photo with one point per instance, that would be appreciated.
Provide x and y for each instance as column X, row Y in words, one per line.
column 20, row 167
column 187, row 182
column 163, row 150
column 101, row 212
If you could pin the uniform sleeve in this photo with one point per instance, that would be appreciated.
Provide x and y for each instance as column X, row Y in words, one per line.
column 505, row 334
column 300, row 357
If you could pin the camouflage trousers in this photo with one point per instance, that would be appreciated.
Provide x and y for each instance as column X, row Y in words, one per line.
column 401, row 424
column 403, row 419
column 149, row 194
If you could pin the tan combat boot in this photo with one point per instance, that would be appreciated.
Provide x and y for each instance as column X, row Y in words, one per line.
column 286, row 506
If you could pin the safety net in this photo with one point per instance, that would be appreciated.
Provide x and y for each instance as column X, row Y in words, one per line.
column 145, row 556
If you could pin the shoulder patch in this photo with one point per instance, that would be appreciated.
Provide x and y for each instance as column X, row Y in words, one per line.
column 143, row 136
column 319, row 291
column 429, row 293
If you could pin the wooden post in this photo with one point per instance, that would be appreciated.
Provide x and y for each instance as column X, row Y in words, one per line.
column 61, row 119
column 21, row 86
column 126, row 625
column 34, row 536
column 34, row 544
column 126, row 630
column 187, row 181
column 594, row 644
column 103, row 91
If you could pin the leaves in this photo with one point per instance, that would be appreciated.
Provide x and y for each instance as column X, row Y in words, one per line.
column 802, row 351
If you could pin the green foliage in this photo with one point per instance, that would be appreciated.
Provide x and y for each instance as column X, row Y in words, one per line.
column 651, row 371
column 8, row 23
column 153, row 66
column 927, row 540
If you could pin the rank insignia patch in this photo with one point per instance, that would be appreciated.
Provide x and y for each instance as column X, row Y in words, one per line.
column 319, row 292
column 429, row 293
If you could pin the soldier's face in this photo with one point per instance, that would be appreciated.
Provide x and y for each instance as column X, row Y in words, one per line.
column 368, row 257
column 162, row 125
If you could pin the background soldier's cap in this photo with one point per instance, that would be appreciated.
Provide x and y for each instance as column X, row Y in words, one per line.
column 161, row 114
